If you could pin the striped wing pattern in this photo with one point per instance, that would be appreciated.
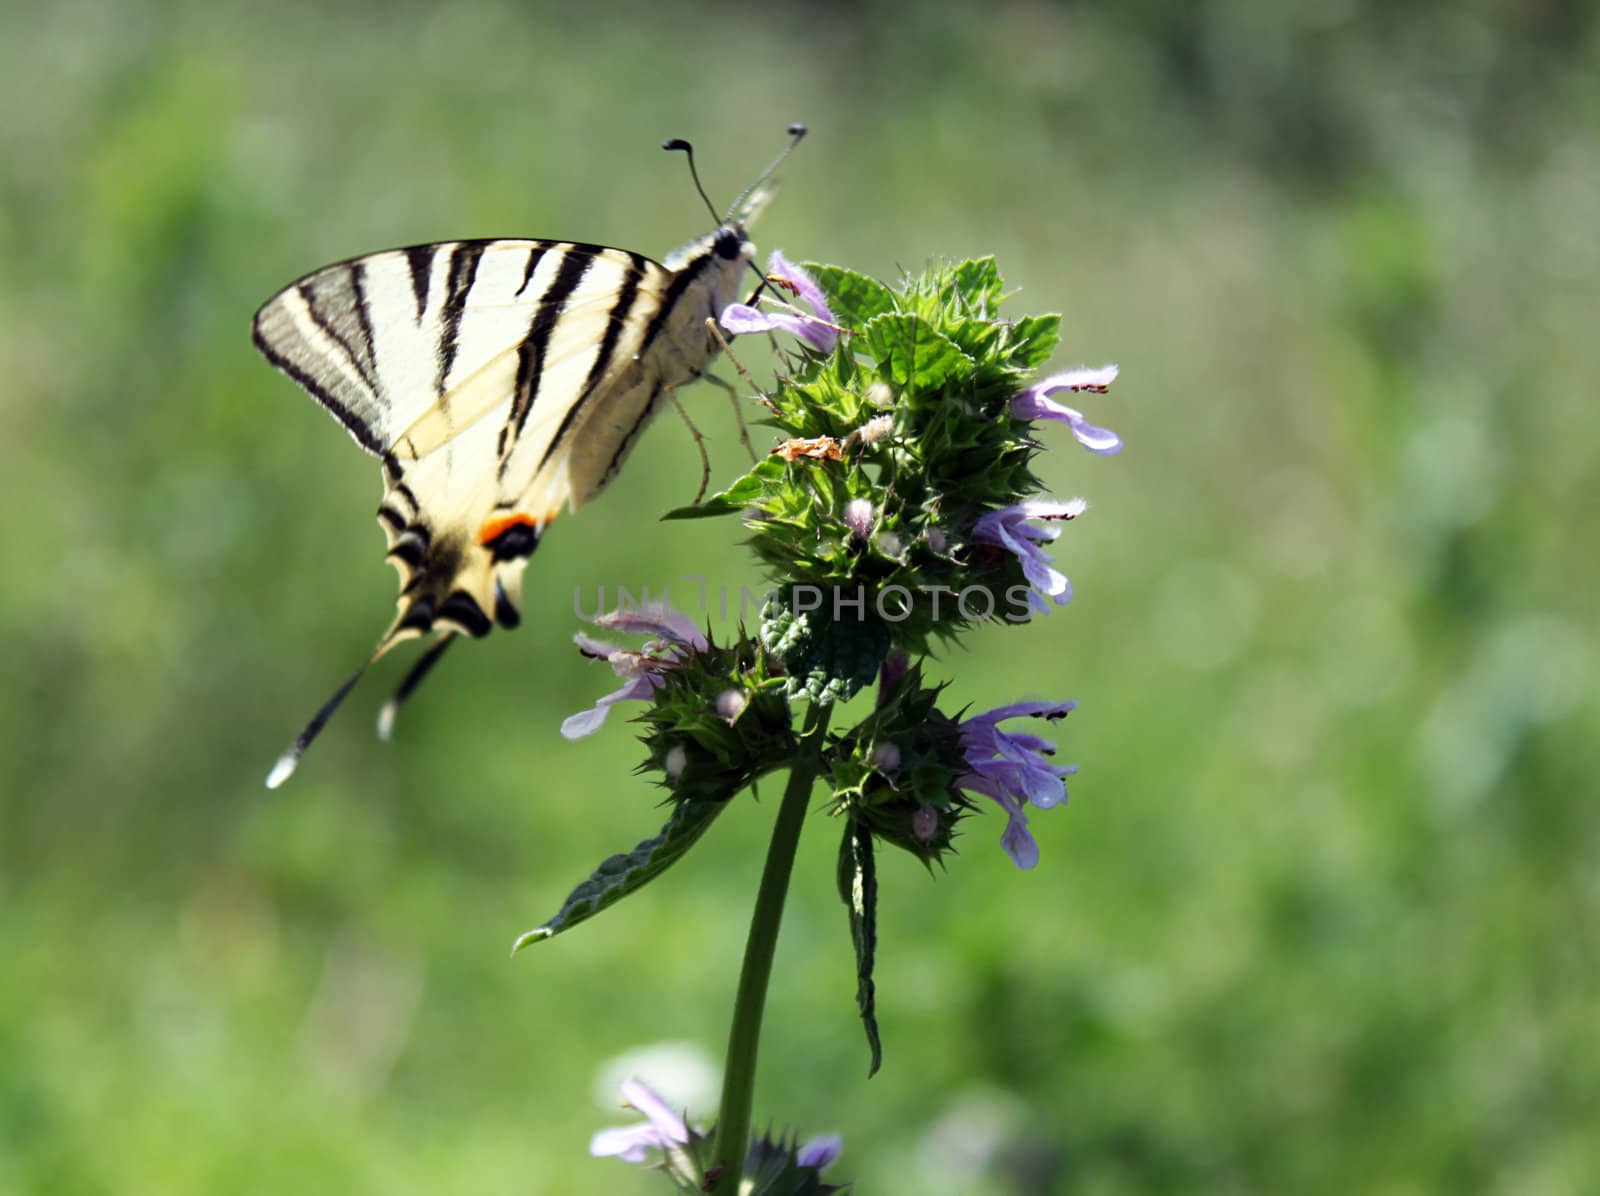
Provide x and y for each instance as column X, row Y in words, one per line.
column 496, row 381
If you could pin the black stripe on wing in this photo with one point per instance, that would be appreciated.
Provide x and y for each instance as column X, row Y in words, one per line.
column 338, row 303
column 464, row 261
column 615, row 322
column 338, row 309
column 530, row 365
column 358, row 288
column 682, row 280
column 625, row 445
column 535, row 255
column 419, row 259
column 363, row 434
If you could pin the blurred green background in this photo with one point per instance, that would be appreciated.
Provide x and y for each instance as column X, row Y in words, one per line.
column 1322, row 913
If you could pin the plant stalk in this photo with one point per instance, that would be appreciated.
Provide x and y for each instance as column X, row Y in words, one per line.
column 744, row 1037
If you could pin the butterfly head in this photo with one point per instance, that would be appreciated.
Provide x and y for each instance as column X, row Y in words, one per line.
column 729, row 245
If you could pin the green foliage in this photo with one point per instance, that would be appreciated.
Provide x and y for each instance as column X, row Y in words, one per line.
column 622, row 874
column 925, row 747
column 911, row 416
column 858, row 889
column 854, row 298
column 828, row 659
column 916, row 358
column 718, row 754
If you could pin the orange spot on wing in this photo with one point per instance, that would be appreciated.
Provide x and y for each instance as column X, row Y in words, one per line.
column 498, row 526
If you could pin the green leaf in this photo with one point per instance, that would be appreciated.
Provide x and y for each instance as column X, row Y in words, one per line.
column 744, row 493
column 620, row 875
column 858, row 888
column 1033, row 340
column 914, row 353
column 978, row 282
column 854, row 298
column 827, row 659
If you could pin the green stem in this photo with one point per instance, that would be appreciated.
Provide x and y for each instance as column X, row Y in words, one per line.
column 744, row 1038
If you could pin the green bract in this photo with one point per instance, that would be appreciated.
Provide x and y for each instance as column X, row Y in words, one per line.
column 910, row 415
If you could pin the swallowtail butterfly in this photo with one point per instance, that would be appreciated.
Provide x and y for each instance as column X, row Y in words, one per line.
column 496, row 381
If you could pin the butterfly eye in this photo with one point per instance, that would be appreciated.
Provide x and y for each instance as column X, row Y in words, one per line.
column 728, row 243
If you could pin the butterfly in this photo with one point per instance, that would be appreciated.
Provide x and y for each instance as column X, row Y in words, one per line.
column 496, row 381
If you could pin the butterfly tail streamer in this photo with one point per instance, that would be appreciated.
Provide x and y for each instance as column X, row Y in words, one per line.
column 290, row 760
column 407, row 687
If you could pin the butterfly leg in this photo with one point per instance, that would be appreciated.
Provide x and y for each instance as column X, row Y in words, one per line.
column 699, row 443
column 738, row 412
column 716, row 335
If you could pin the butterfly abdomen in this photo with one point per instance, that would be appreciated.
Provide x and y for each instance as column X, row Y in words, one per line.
column 456, row 584
column 452, row 579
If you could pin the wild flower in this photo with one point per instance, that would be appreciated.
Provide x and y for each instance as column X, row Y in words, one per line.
column 663, row 1129
column 1010, row 529
column 818, row 329
column 641, row 669
column 1034, row 403
column 1015, row 770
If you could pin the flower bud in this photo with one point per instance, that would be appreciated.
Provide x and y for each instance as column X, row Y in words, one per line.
column 859, row 516
column 675, row 762
column 731, row 703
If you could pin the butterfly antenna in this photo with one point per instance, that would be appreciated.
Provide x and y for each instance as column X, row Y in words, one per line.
column 414, row 678
column 797, row 131
column 290, row 760
column 678, row 143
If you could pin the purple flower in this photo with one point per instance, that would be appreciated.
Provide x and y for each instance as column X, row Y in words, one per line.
column 663, row 1129
column 1033, row 404
column 1015, row 771
column 1009, row 529
column 819, row 1152
column 676, row 638
column 819, row 330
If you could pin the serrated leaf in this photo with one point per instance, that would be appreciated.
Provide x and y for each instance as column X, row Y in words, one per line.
column 738, row 497
column 914, row 353
column 1034, row 340
column 620, row 875
column 782, row 631
column 854, row 298
column 978, row 282
column 858, row 889
column 829, row 660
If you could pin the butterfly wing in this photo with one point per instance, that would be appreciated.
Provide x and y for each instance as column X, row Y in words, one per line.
column 459, row 365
